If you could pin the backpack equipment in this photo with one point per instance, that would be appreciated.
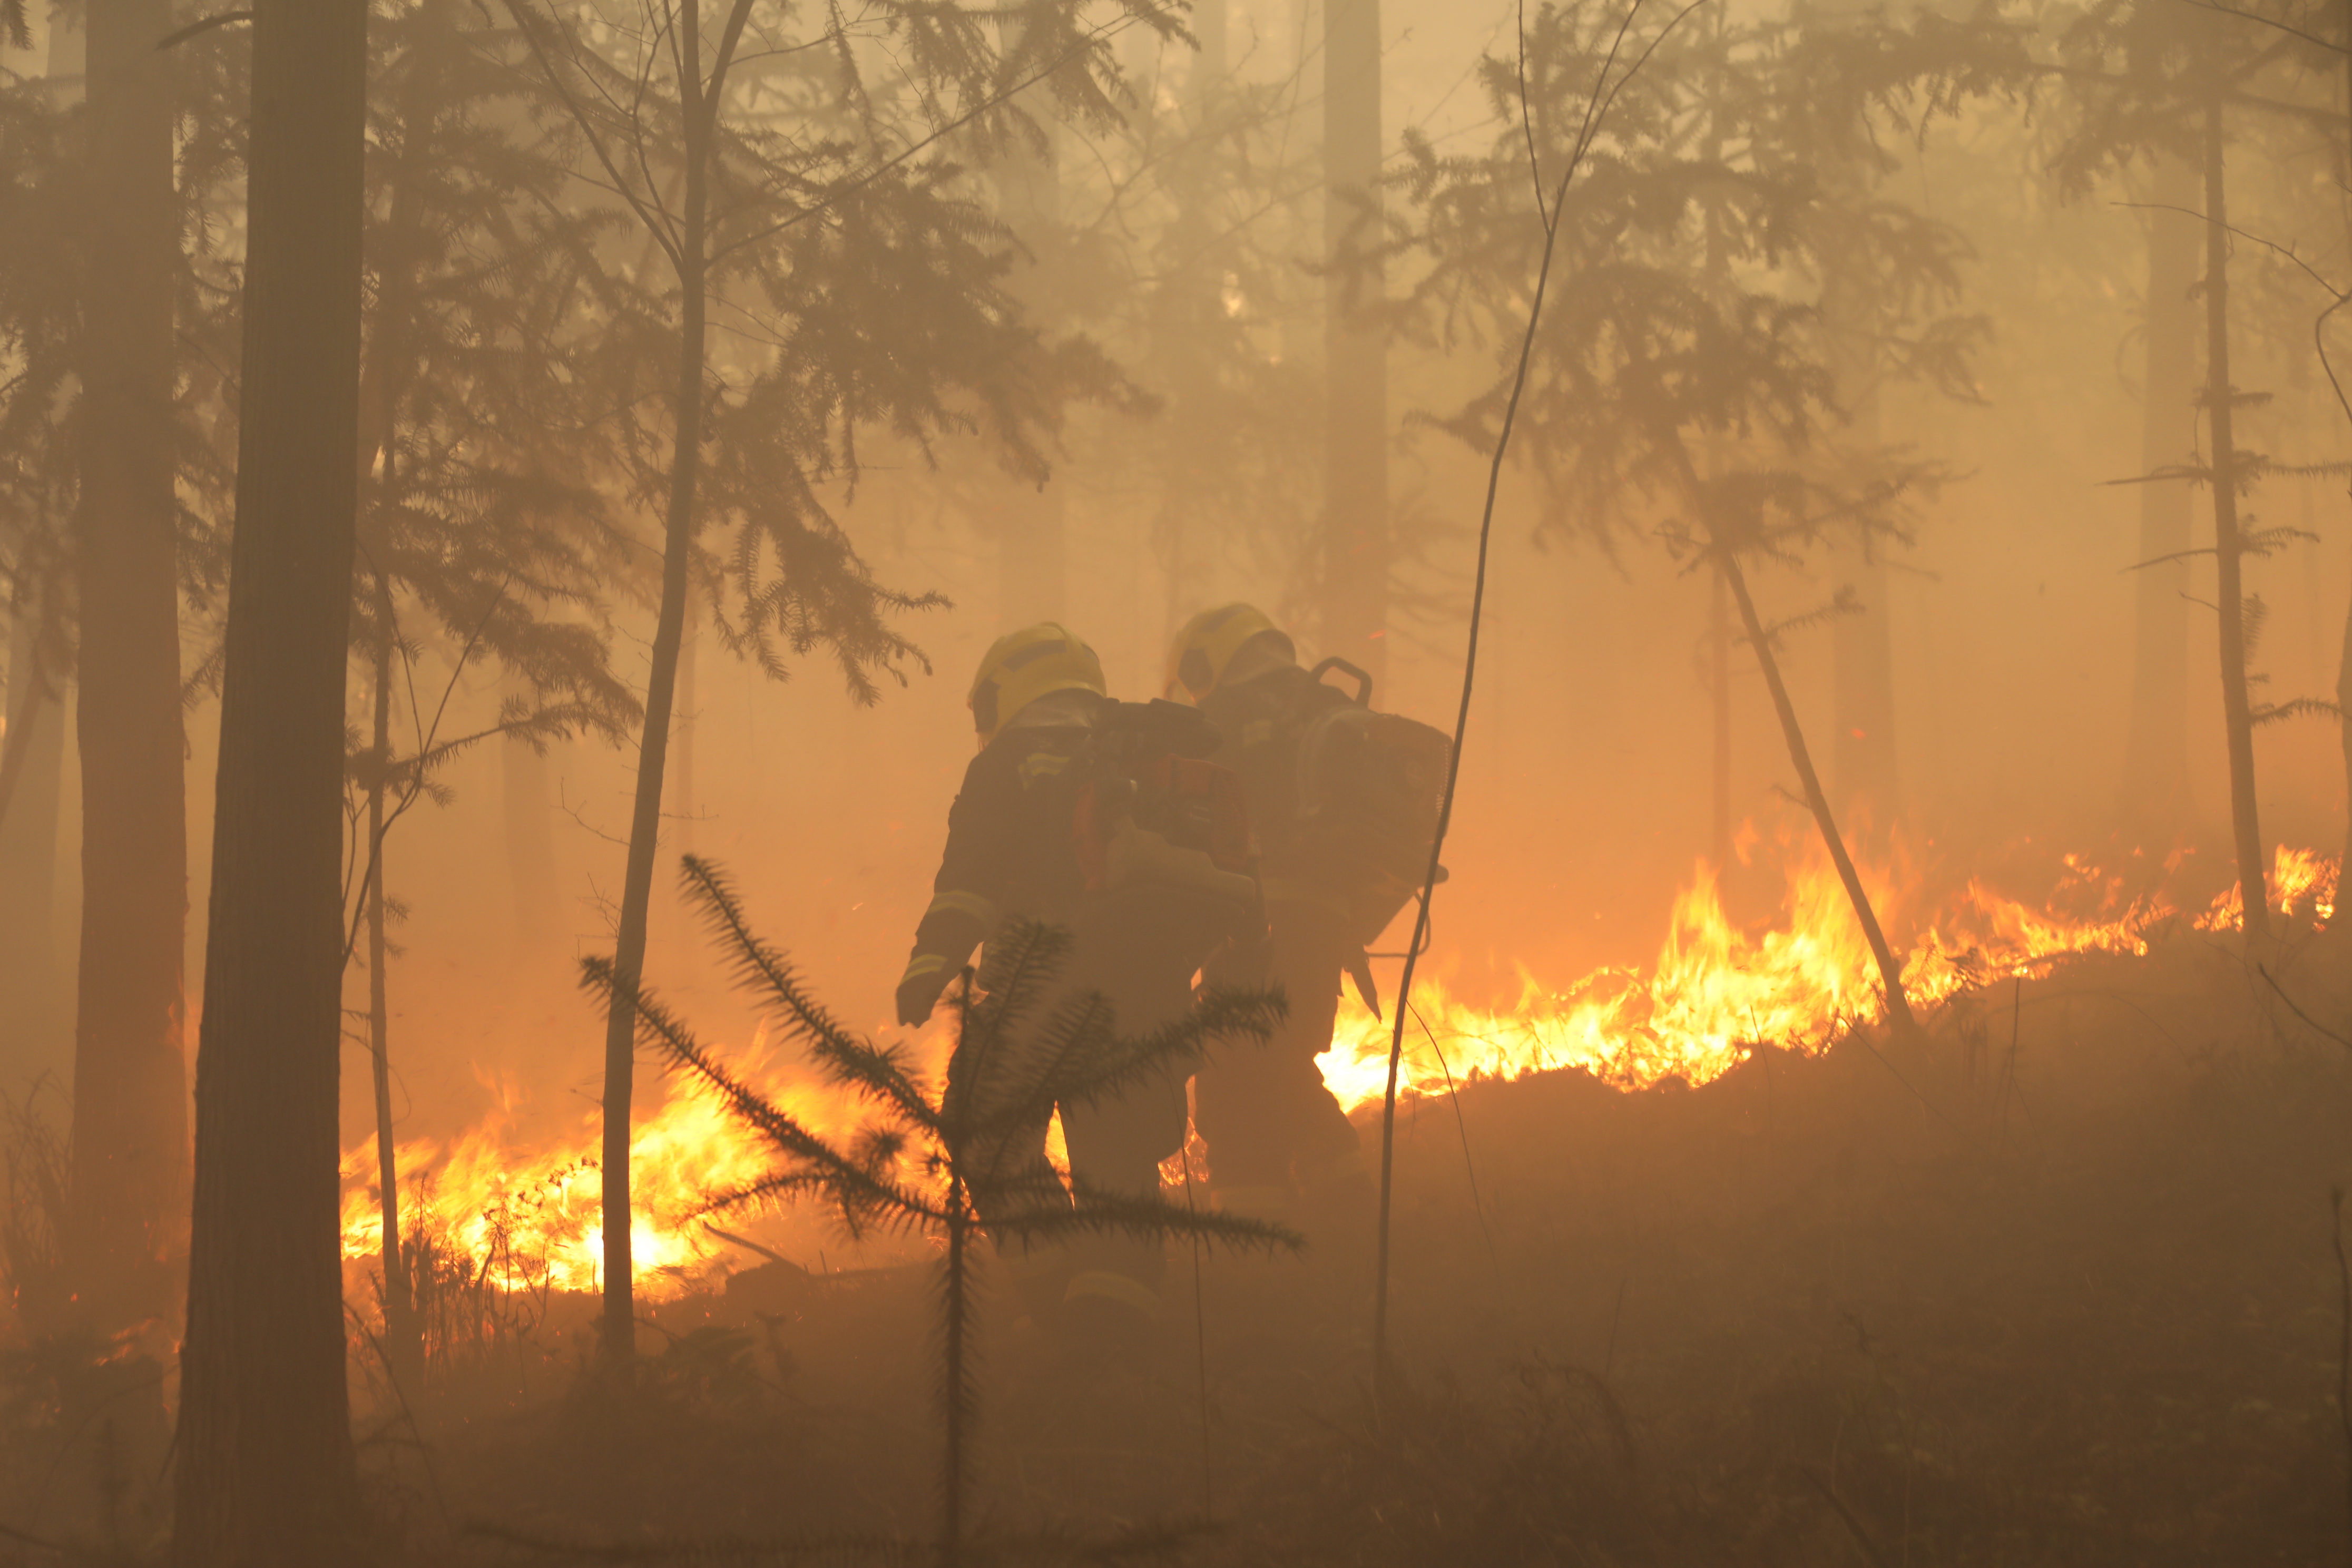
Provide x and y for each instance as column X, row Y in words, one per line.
column 1162, row 835
column 1370, row 786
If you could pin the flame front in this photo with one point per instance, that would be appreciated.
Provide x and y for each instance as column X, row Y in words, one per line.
column 1715, row 992
column 519, row 1218
column 515, row 1218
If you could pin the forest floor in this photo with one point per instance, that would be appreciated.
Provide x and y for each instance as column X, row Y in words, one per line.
column 2055, row 1285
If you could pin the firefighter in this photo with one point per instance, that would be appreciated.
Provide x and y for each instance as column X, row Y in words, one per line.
column 1036, row 703
column 1279, row 1146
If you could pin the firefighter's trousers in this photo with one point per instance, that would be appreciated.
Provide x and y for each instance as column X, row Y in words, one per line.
column 1115, row 1142
column 1269, row 1122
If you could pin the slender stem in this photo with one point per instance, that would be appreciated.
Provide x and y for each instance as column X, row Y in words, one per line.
column 952, row 1491
column 2228, row 547
column 1596, row 110
column 645, row 822
column 399, row 1321
column 1890, row 969
column 2343, row 1353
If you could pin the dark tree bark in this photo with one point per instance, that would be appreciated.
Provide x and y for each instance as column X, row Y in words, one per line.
column 1356, row 372
column 2155, row 796
column 32, row 779
column 2344, row 667
column 1718, row 661
column 264, row 1458
column 129, row 1117
column 2237, row 716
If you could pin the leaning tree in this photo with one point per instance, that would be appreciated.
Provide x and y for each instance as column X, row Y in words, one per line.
column 1683, row 376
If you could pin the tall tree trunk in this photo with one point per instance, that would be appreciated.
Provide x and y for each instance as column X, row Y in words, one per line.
column 2154, row 794
column 1356, row 365
column 264, row 1463
column 1719, row 654
column 661, row 690
column 404, row 1351
column 130, row 1116
column 33, row 752
column 2344, row 666
column 2343, row 915
column 2237, row 719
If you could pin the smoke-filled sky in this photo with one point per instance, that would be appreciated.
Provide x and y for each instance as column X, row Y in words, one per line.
column 1585, row 791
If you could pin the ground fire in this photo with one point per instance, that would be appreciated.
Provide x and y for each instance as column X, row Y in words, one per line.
column 527, row 1218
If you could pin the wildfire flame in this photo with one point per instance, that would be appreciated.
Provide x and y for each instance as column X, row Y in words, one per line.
column 523, row 1218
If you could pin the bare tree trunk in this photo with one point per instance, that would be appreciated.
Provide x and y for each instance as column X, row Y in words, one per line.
column 264, row 1469
column 661, row 687
column 2237, row 718
column 2344, row 666
column 1720, row 680
column 403, row 1354
column 1356, row 374
column 957, row 1414
column 24, row 726
column 1890, row 970
column 31, row 975
column 130, row 1116
column 2343, row 915
column 2155, row 796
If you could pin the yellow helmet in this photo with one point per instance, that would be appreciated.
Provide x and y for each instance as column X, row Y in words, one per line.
column 1197, row 657
column 1020, row 666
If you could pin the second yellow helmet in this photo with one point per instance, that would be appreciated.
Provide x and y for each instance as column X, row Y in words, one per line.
column 1207, row 644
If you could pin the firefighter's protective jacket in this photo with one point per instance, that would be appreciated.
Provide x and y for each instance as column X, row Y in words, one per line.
column 1009, row 852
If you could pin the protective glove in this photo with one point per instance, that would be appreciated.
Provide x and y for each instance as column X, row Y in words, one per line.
column 926, row 975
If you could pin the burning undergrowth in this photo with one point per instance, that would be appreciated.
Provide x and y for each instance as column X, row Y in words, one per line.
column 502, row 1227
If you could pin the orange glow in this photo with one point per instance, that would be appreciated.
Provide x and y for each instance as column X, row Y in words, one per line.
column 527, row 1216
column 2302, row 883
column 530, row 1217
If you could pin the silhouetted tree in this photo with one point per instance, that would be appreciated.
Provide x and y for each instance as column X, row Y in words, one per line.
column 1685, row 378
column 2154, row 82
column 130, row 1135
column 263, row 1459
column 483, row 372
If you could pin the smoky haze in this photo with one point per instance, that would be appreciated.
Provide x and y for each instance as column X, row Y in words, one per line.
column 1140, row 360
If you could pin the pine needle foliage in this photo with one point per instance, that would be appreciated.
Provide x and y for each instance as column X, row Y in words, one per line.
column 963, row 1161
column 485, row 297
column 1689, row 374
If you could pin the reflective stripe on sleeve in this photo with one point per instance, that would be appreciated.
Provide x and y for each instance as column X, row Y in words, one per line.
column 924, row 964
column 961, row 903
